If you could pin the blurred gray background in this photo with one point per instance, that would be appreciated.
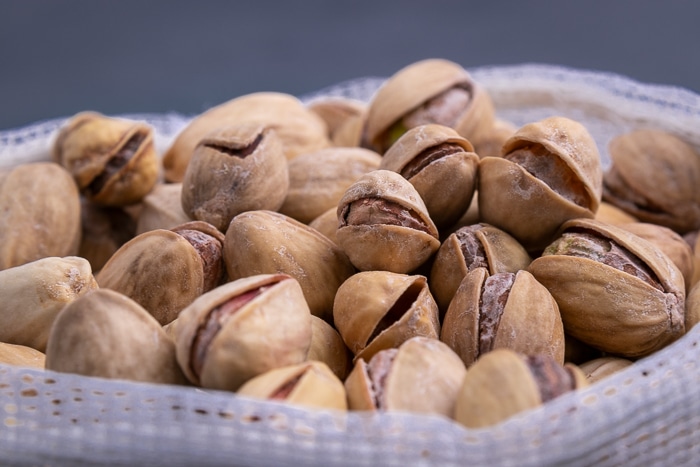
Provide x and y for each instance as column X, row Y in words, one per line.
column 61, row 57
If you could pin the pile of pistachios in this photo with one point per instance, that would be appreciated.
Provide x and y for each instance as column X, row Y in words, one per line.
column 410, row 253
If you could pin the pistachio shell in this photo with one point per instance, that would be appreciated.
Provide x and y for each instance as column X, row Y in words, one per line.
column 327, row 224
column 339, row 114
column 600, row 368
column 104, row 231
column 21, row 355
column 692, row 311
column 611, row 214
column 162, row 208
column 328, row 347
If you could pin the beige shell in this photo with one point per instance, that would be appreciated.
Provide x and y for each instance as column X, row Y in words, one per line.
column 611, row 214
column 373, row 243
column 106, row 334
column 162, row 208
column 208, row 242
column 655, row 177
column 477, row 245
column 526, row 206
column 308, row 384
column 602, row 367
column 441, row 165
column 328, row 347
column 104, row 230
column 692, row 308
column 492, row 141
column 299, row 129
column 529, row 322
column 607, row 308
column 263, row 323
column 113, row 161
column 377, row 310
column 235, row 169
column 39, row 212
column 344, row 118
column 32, row 295
column 422, row 376
column 318, row 180
column 21, row 355
column 159, row 269
column 327, row 224
column 265, row 242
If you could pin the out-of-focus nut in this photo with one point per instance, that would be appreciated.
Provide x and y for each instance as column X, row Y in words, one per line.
column 21, row 355
column 344, row 117
column 162, row 208
column 328, row 347
column 602, row 367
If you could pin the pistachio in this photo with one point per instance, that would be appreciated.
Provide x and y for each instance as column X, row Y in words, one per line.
column 327, row 224
column 209, row 244
column 602, row 367
column 611, row 214
column 692, row 312
column 344, row 119
column 328, row 347
column 162, row 208
column 21, row 355
column 104, row 230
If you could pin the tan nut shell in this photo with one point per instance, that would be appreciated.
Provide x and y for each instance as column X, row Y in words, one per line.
column 445, row 185
column 218, row 185
column 86, row 146
column 328, row 347
column 386, row 247
column 611, row 214
column 327, row 224
column 424, row 377
column 317, row 386
column 526, row 207
column 299, row 129
column 530, row 323
column 341, row 114
column 602, row 367
column 692, row 307
column 159, row 270
column 399, row 305
column 319, row 179
column 270, row 331
column 265, row 242
column 32, row 295
column 106, row 334
column 162, row 208
column 21, row 355
column 39, row 212
column 610, row 309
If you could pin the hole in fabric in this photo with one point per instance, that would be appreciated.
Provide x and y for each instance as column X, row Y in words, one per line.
column 29, row 392
column 176, row 407
column 10, row 422
column 10, row 408
column 97, row 393
column 645, row 373
column 120, row 394
column 201, row 411
column 78, row 399
column 226, row 415
column 590, row 400
column 77, row 389
column 49, row 381
column 28, row 378
column 610, row 391
column 56, row 413
column 56, row 401
column 251, row 418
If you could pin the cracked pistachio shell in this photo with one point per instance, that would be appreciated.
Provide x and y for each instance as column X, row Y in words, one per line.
column 502, row 383
column 422, row 376
column 602, row 367
column 235, row 169
column 265, row 242
column 344, row 119
column 108, row 335
column 39, row 212
column 499, row 311
column 309, row 384
column 21, row 355
column 550, row 172
column 328, row 347
column 208, row 241
column 428, row 91
column 469, row 247
column 113, row 160
column 242, row 329
column 377, row 310
column 655, row 176
column 299, row 129
column 162, row 208
column 442, row 167
column 383, row 224
column 629, row 314
column 319, row 179
column 33, row 294
column 159, row 269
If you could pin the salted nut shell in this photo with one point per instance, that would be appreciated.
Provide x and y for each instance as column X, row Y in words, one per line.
column 21, row 355
column 104, row 230
column 616, row 291
column 266, row 242
column 309, row 384
column 441, row 165
column 503, row 383
column 471, row 247
column 383, row 224
column 32, row 295
column 39, row 212
column 429, row 91
column 232, row 170
column 327, row 224
column 491, row 143
column 162, row 208
column 108, row 335
column 319, row 179
column 422, row 376
column 328, row 347
column 602, row 367
column 499, row 311
column 376, row 310
column 692, row 310
column 159, row 269
column 299, row 129
column 242, row 329
column 611, row 214
column 113, row 161
column 655, row 176
column 550, row 172
column 344, row 118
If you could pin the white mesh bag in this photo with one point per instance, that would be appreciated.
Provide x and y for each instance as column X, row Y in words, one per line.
column 647, row 414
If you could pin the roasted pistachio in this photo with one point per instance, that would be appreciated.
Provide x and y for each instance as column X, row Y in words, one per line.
column 344, row 119
column 327, row 224
column 611, row 214
column 104, row 230
column 602, row 367
column 162, row 208
column 21, row 355
column 328, row 347
column 209, row 244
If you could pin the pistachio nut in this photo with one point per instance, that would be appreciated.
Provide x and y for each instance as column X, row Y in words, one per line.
column 112, row 160
column 423, row 375
column 328, row 347
column 162, row 208
column 383, row 224
column 692, row 308
column 327, row 224
column 578, row 352
column 108, row 335
column 376, row 310
column 242, row 329
column 611, row 214
column 616, row 291
column 344, row 118
column 602, row 367
column 21, row 355
column 309, row 384
column 104, row 230
column 33, row 294
column 441, row 165
column 232, row 170
column 209, row 243
column 498, row 311
column 492, row 142
column 550, row 172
